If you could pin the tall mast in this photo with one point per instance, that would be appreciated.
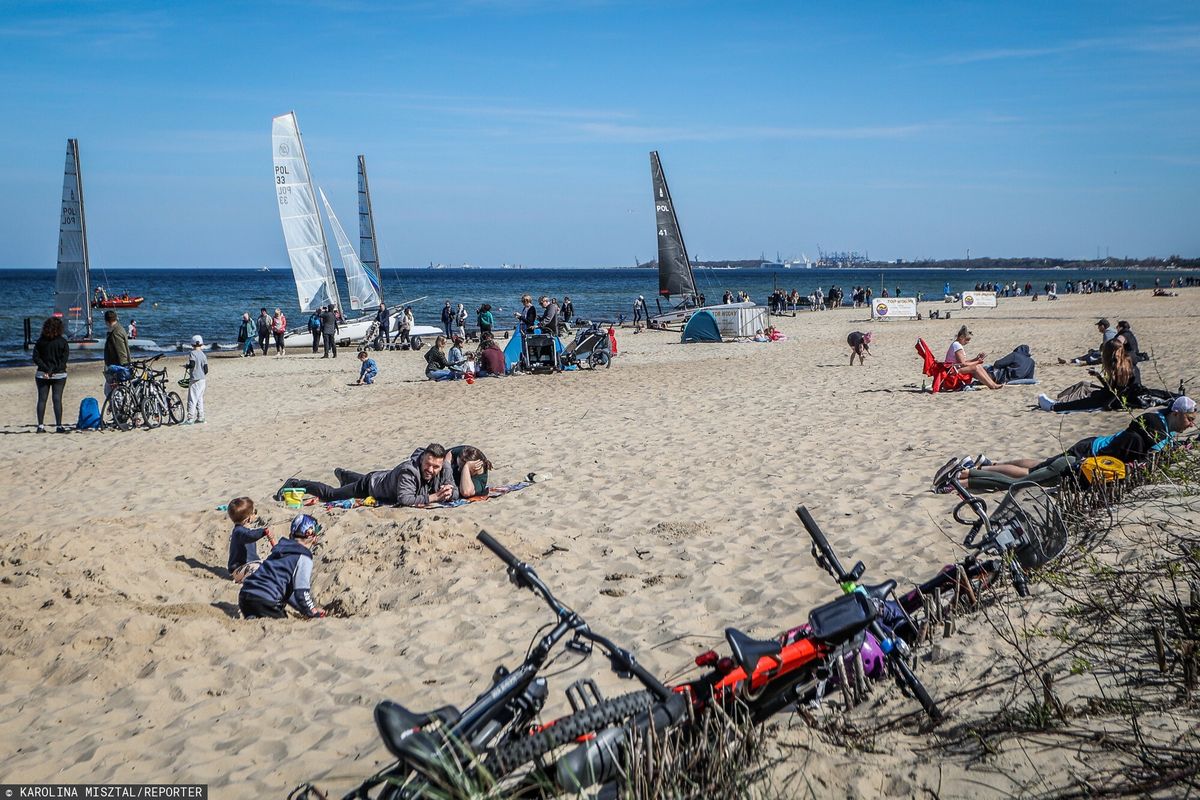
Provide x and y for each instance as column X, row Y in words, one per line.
column 72, row 285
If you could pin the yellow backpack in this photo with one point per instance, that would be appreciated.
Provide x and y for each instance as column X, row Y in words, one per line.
column 1102, row 469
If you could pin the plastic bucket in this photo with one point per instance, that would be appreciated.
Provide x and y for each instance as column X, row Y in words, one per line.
column 293, row 498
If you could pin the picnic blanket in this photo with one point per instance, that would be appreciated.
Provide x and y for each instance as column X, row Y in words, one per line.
column 370, row 502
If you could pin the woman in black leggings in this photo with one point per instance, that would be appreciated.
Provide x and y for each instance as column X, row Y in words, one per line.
column 50, row 355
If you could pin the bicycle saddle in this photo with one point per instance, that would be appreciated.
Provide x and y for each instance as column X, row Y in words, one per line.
column 747, row 652
column 880, row 591
column 401, row 730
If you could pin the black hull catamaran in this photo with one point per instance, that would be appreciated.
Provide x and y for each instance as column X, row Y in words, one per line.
column 675, row 275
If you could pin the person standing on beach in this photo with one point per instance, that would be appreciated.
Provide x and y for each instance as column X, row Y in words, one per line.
column 527, row 316
column 263, row 325
column 384, row 318
column 406, row 325
column 329, row 328
column 278, row 329
column 116, row 350
column 568, row 311
column 50, row 354
column 447, row 317
column 197, row 371
column 314, row 327
column 485, row 320
column 246, row 335
column 460, row 321
column 639, row 306
column 549, row 320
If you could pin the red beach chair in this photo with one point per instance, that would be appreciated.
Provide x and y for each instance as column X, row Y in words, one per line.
column 946, row 378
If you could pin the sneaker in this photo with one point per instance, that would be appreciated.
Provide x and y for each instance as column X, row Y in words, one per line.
column 60, row 429
column 338, row 472
column 188, row 422
column 41, row 428
column 983, row 461
column 201, row 421
column 1045, row 403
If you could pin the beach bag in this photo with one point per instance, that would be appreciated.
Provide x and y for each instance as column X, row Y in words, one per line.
column 1076, row 391
column 89, row 415
column 1102, row 469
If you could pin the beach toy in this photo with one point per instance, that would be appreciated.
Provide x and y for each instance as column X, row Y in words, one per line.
column 294, row 497
column 1102, row 469
column 470, row 378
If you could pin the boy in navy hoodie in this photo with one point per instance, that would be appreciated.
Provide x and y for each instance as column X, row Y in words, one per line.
column 285, row 577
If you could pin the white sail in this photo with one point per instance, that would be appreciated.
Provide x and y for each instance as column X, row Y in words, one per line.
column 368, row 249
column 362, row 292
column 72, row 290
column 316, row 284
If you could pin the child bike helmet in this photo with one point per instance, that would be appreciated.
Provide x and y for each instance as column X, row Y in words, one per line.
column 304, row 525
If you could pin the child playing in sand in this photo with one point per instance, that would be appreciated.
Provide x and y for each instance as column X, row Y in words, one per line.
column 285, row 577
column 368, row 370
column 243, row 542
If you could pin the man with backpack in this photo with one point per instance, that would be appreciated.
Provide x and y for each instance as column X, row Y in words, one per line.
column 314, row 327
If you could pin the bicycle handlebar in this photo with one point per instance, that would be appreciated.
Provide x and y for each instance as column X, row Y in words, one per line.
column 502, row 552
column 818, row 537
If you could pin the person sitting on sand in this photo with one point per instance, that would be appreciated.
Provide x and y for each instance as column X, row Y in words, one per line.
column 456, row 358
column 426, row 477
column 1147, row 434
column 285, row 578
column 368, row 370
column 243, row 541
column 437, row 368
column 860, row 345
column 1120, row 378
column 956, row 357
column 1092, row 357
column 470, row 467
column 759, row 336
column 490, row 358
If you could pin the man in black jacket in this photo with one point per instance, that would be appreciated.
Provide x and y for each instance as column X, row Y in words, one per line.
column 426, row 477
column 384, row 318
column 329, row 328
column 116, row 350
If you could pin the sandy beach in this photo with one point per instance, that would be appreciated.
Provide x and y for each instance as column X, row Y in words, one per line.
column 669, row 516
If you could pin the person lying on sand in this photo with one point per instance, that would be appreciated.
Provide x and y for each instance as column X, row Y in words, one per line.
column 426, row 477
column 470, row 467
column 243, row 541
column 956, row 356
column 285, row 578
column 1147, row 434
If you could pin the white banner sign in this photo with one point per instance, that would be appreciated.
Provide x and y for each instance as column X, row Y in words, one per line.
column 979, row 300
column 894, row 308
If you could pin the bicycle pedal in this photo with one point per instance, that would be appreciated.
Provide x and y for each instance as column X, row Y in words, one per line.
column 583, row 693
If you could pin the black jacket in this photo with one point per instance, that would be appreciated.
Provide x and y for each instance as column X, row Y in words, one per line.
column 50, row 355
column 1017, row 365
column 329, row 322
column 435, row 359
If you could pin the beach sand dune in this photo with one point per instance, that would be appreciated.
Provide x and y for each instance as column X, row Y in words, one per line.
column 669, row 517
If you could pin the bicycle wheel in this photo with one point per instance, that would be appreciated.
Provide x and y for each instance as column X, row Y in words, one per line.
column 175, row 409
column 154, row 405
column 508, row 757
column 117, row 412
column 911, row 683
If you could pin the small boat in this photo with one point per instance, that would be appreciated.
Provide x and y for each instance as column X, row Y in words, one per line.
column 72, row 281
column 101, row 299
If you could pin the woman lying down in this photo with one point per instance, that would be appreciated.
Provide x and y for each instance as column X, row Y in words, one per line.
column 1147, row 434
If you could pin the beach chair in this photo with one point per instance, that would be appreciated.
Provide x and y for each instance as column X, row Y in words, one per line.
column 946, row 378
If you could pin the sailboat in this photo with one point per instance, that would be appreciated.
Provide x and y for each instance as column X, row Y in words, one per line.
column 308, row 250
column 72, row 278
column 675, row 275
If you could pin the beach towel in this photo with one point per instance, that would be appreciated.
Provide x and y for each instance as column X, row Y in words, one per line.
column 370, row 502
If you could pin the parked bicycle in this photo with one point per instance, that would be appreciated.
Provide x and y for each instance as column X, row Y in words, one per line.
column 140, row 396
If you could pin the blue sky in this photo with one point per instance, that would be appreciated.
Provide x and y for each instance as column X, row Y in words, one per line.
column 518, row 130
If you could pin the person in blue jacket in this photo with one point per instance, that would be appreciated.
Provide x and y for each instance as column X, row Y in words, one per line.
column 368, row 370
column 285, row 578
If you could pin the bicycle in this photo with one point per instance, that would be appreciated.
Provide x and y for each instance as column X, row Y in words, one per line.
column 141, row 392
column 443, row 748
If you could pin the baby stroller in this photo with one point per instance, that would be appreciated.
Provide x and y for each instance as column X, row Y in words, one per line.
column 539, row 352
column 591, row 348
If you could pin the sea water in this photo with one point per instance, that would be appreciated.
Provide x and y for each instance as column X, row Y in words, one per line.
column 183, row 302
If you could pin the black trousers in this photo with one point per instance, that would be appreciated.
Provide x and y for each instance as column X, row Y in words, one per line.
column 355, row 486
column 330, row 344
column 264, row 340
column 46, row 386
column 316, row 339
column 278, row 342
column 254, row 607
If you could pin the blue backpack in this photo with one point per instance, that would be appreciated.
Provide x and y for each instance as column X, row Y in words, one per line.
column 89, row 415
